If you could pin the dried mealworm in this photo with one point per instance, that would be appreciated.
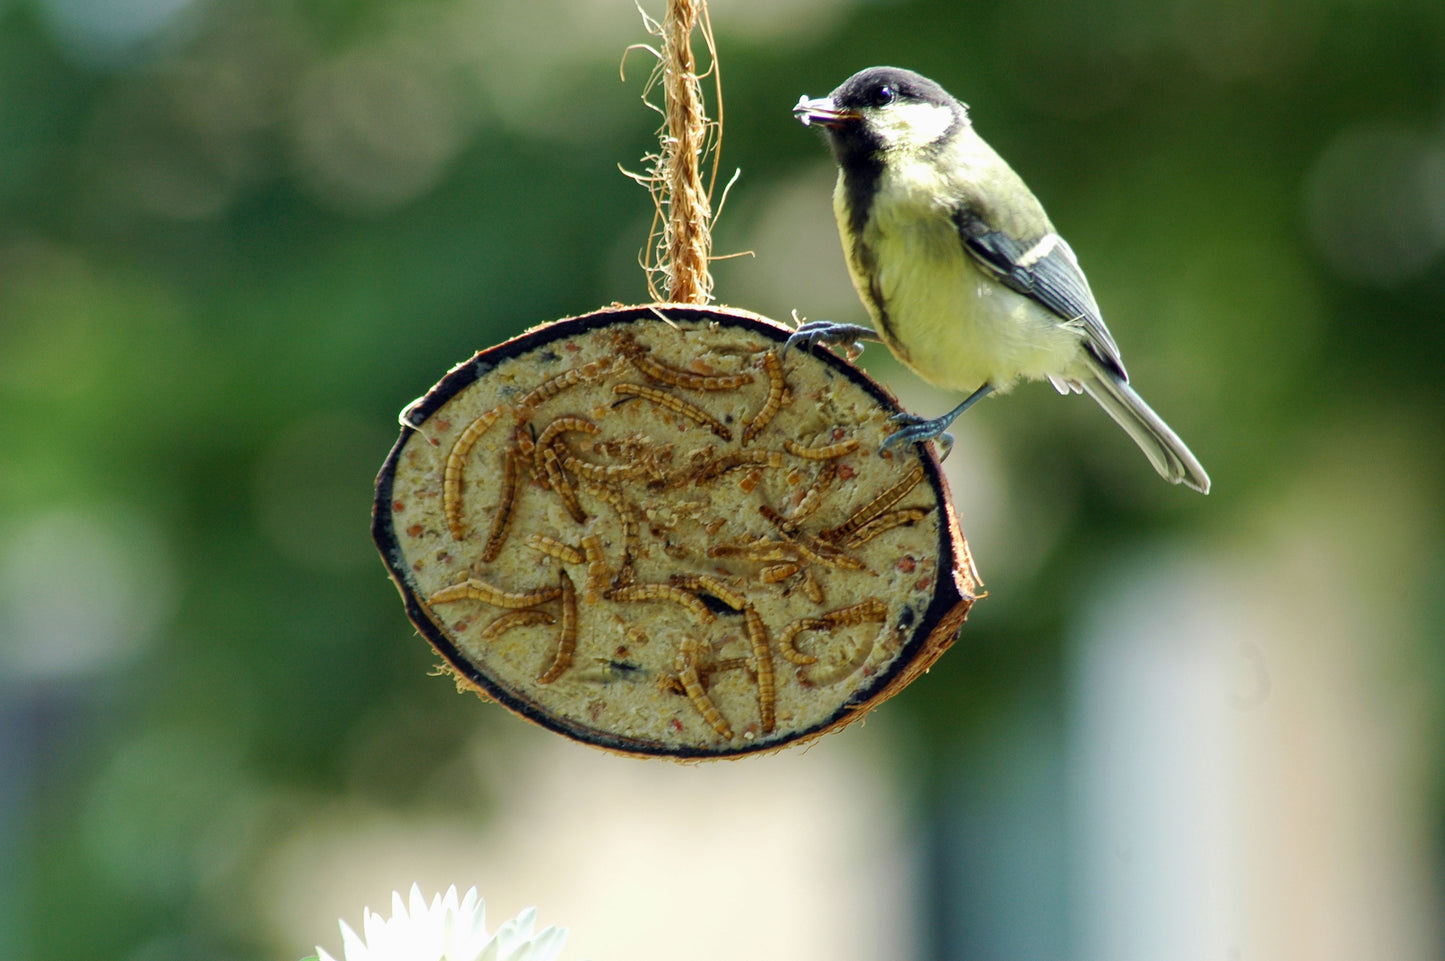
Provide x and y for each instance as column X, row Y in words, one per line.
column 566, row 634
column 762, row 549
column 479, row 590
column 550, row 433
column 851, row 661
column 707, row 584
column 763, row 667
column 675, row 404
column 653, row 369
column 522, row 440
column 602, row 473
column 546, row 462
column 628, row 450
column 568, row 378
column 666, row 592
column 876, row 506
column 821, row 453
column 885, row 522
column 727, row 664
column 505, row 622
column 452, row 475
column 812, row 549
column 788, row 640
column 870, row 610
column 610, row 495
column 686, row 665
column 778, row 572
column 770, row 407
column 672, row 684
column 615, row 499
column 506, row 506
column 813, row 497
column 596, row 568
column 812, row 588
column 806, row 547
column 559, row 483
column 776, row 519
column 554, row 548
column 736, row 459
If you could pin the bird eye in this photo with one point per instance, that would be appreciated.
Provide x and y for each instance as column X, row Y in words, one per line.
column 885, row 95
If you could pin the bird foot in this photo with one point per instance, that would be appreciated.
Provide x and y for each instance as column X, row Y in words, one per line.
column 921, row 429
column 830, row 334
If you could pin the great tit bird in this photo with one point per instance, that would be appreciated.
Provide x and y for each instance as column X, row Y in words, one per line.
column 964, row 277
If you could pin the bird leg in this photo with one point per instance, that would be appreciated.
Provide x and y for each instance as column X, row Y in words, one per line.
column 922, row 429
column 830, row 334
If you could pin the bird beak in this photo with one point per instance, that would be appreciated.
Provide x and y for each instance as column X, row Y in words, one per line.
column 822, row 112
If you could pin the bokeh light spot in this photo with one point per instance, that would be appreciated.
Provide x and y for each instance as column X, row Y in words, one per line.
column 81, row 591
column 1375, row 203
column 109, row 32
column 373, row 130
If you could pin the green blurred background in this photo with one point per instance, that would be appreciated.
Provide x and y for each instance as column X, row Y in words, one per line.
column 238, row 236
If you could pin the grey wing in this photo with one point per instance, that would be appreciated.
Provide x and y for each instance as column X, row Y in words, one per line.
column 1046, row 270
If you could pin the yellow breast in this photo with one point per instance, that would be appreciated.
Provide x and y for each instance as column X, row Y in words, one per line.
column 934, row 308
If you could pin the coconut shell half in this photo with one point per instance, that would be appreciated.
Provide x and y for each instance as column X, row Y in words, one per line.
column 649, row 530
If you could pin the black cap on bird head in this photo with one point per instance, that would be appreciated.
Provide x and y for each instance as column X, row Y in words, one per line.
column 881, row 108
column 879, row 86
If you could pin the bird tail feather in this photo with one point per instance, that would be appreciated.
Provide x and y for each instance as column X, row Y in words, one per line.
column 1169, row 455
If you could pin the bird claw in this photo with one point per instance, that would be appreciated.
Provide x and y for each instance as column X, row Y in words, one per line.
column 919, row 430
column 830, row 334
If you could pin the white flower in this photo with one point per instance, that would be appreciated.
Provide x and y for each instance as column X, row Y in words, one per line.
column 447, row 930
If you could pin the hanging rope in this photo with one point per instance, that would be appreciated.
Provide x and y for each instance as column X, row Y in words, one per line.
column 688, row 241
column 680, row 247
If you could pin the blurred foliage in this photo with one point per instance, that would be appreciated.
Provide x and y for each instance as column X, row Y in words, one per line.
column 238, row 236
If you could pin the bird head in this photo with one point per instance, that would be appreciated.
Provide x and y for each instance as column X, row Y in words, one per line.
column 883, row 109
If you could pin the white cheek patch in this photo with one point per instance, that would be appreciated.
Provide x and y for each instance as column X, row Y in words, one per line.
column 912, row 125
